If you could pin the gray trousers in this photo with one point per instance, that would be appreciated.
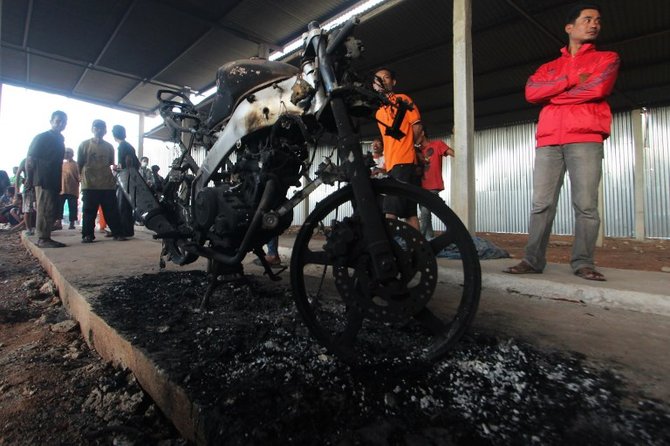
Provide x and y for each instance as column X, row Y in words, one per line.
column 583, row 162
column 47, row 211
column 426, row 220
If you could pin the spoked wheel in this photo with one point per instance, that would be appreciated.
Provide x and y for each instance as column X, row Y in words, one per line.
column 413, row 318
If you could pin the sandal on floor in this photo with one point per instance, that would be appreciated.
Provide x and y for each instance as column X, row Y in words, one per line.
column 589, row 273
column 521, row 268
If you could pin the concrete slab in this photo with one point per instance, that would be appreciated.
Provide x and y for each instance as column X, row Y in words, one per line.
column 643, row 291
column 82, row 270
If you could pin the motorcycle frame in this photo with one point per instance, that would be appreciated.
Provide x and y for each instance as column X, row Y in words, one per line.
column 270, row 104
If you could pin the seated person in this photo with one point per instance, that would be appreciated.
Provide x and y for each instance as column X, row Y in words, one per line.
column 12, row 213
column 7, row 197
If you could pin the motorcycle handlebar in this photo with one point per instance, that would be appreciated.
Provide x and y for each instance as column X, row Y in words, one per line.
column 173, row 93
column 345, row 32
column 170, row 116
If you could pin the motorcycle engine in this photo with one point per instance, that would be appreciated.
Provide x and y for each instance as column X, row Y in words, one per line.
column 222, row 210
column 225, row 211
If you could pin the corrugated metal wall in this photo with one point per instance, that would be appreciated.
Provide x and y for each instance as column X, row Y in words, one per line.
column 657, row 173
column 161, row 154
column 503, row 178
column 618, row 180
column 504, row 174
column 504, row 181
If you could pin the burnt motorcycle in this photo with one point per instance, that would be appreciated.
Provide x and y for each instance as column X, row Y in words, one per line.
column 365, row 285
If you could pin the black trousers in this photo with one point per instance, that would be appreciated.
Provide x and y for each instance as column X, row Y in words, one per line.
column 399, row 206
column 105, row 199
column 126, row 214
column 72, row 207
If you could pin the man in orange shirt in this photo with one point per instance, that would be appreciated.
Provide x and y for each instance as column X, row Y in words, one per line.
column 69, row 189
column 399, row 154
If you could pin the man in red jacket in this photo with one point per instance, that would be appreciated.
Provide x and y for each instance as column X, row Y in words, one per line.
column 573, row 124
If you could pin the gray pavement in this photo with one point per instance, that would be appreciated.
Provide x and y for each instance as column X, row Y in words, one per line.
column 642, row 291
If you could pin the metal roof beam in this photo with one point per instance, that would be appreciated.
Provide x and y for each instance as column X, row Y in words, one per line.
column 81, row 64
column 107, row 44
column 535, row 23
column 172, row 62
column 26, row 26
column 26, row 33
column 216, row 23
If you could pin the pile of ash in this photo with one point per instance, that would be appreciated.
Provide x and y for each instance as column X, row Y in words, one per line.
column 252, row 361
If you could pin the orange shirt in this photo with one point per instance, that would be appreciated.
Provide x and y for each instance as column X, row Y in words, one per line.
column 70, row 178
column 398, row 152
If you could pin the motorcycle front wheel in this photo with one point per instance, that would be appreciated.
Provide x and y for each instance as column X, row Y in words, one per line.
column 414, row 317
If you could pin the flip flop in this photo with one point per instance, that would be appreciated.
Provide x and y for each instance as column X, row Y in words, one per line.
column 589, row 273
column 521, row 268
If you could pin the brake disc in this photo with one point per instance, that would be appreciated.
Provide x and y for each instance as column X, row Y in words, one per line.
column 396, row 299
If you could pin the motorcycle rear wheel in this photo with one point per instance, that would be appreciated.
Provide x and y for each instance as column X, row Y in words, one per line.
column 411, row 319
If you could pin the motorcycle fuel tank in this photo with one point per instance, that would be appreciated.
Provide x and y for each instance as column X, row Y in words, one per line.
column 237, row 80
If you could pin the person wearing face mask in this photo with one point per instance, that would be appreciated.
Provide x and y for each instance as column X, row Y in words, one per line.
column 95, row 158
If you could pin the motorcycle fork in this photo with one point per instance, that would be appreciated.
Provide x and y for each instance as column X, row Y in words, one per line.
column 374, row 228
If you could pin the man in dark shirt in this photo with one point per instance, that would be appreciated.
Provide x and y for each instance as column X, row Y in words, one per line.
column 157, row 179
column 43, row 173
column 127, row 159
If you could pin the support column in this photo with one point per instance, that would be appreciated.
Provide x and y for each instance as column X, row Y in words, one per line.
column 639, row 117
column 463, row 166
column 140, row 142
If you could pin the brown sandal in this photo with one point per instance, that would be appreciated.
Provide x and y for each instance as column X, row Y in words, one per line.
column 589, row 273
column 521, row 268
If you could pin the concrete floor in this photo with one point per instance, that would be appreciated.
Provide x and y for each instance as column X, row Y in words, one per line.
column 634, row 344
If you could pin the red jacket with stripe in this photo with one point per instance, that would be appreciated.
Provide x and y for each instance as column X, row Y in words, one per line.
column 573, row 90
